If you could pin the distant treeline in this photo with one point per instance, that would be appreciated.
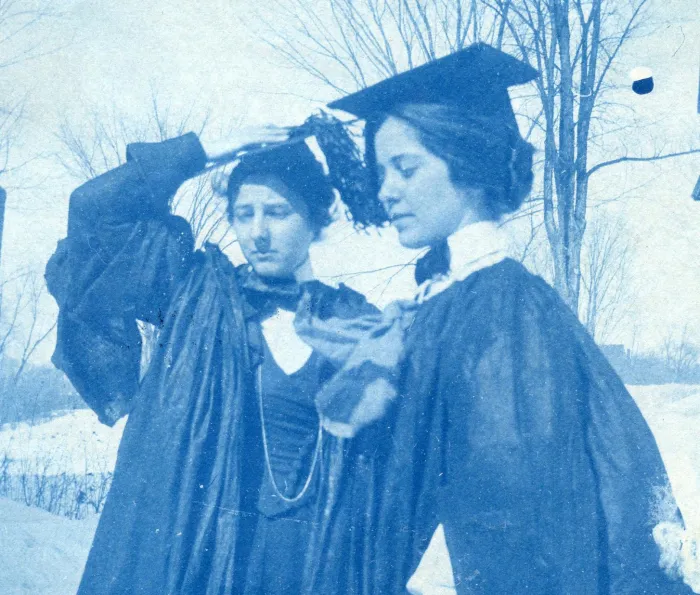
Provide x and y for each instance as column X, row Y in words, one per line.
column 42, row 391
column 35, row 394
column 672, row 364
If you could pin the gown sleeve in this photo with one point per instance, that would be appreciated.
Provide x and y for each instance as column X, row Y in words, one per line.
column 121, row 261
column 550, row 469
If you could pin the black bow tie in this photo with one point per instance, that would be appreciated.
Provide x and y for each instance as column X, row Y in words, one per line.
column 435, row 262
column 266, row 294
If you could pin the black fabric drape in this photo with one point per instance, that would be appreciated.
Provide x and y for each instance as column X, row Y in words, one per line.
column 513, row 431
column 122, row 260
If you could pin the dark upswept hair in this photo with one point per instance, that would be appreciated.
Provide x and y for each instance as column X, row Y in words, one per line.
column 481, row 151
column 295, row 166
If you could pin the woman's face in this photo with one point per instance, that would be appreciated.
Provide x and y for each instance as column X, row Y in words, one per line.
column 272, row 228
column 415, row 187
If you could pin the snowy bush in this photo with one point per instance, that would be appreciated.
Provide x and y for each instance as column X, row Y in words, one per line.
column 63, row 465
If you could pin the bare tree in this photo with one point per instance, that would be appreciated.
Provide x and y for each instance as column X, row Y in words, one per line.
column 10, row 119
column 22, row 329
column 605, row 277
column 348, row 44
column 574, row 44
column 681, row 354
column 34, row 333
column 99, row 144
column 20, row 40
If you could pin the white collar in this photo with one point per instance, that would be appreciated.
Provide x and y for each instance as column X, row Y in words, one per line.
column 472, row 248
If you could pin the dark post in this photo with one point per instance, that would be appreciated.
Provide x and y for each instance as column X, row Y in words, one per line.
column 3, row 197
column 696, row 190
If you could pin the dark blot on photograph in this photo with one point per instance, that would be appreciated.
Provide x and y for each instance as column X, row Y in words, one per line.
column 642, row 81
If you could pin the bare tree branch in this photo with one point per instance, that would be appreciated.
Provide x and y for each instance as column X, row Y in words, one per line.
column 101, row 145
column 574, row 44
column 604, row 277
column 660, row 157
column 22, row 331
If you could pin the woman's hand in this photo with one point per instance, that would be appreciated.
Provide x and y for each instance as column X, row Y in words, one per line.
column 242, row 138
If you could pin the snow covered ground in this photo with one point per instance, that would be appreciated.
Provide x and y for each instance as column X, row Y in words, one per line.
column 44, row 554
column 41, row 554
column 74, row 443
column 673, row 413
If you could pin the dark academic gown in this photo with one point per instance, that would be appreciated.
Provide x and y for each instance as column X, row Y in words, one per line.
column 191, row 450
column 513, row 431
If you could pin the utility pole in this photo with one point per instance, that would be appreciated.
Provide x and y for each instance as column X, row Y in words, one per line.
column 3, row 197
column 696, row 190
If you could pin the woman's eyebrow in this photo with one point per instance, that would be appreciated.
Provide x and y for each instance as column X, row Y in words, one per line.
column 396, row 158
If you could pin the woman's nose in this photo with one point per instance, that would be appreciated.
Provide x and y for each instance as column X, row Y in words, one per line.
column 388, row 193
column 260, row 230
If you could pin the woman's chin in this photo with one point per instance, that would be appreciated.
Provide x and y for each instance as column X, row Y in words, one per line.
column 271, row 270
column 411, row 238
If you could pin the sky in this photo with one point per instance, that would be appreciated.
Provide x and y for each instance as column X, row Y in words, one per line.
column 213, row 55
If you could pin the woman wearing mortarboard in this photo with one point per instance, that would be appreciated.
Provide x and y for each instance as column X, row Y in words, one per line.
column 493, row 448
column 220, row 460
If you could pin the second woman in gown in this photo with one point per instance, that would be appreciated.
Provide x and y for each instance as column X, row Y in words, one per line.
column 508, row 451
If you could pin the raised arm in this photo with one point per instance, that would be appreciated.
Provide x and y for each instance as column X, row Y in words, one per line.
column 123, row 258
column 120, row 262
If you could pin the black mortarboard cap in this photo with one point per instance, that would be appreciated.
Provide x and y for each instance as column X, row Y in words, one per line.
column 475, row 79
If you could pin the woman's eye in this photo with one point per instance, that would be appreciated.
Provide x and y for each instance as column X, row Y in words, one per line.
column 242, row 215
column 407, row 171
column 280, row 213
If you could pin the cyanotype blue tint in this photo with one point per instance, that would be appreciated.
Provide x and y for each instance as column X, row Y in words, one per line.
column 197, row 504
column 479, row 419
